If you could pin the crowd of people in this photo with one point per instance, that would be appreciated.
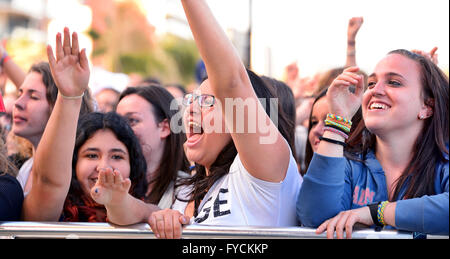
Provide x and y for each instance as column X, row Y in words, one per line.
column 242, row 149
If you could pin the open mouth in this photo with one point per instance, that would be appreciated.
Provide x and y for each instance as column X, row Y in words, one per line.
column 194, row 133
column 195, row 128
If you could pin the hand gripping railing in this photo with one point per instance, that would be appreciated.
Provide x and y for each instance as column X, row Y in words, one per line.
column 11, row 230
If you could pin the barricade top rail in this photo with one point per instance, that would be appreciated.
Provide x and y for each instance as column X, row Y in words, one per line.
column 11, row 230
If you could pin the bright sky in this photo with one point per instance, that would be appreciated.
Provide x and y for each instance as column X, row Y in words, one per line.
column 313, row 33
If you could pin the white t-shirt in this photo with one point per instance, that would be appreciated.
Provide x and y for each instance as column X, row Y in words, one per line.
column 24, row 174
column 169, row 195
column 239, row 199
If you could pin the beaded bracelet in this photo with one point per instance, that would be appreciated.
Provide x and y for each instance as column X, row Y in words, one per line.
column 337, row 131
column 71, row 97
column 339, row 126
column 339, row 123
column 339, row 119
column 380, row 213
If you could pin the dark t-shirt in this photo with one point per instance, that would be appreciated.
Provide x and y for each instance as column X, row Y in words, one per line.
column 11, row 198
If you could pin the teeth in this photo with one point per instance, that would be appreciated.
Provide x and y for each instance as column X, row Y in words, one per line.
column 194, row 124
column 196, row 127
column 378, row 106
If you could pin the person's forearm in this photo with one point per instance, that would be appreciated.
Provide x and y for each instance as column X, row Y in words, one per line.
column 324, row 190
column 428, row 214
column 14, row 72
column 221, row 59
column 330, row 149
column 389, row 214
column 52, row 167
column 351, row 53
column 53, row 159
column 130, row 211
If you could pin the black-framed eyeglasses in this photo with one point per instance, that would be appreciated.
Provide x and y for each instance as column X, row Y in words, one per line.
column 204, row 100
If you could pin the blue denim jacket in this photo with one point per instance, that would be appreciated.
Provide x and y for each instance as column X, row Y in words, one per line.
column 332, row 185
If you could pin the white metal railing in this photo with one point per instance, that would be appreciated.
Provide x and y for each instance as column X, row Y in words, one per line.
column 11, row 230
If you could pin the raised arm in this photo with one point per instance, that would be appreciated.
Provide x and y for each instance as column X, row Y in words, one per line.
column 52, row 166
column 11, row 69
column 354, row 25
column 343, row 101
column 228, row 79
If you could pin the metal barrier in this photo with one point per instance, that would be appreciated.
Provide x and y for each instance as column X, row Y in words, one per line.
column 12, row 230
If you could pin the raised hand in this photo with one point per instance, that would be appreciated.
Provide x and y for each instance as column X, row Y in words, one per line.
column 432, row 55
column 70, row 68
column 345, row 93
column 354, row 25
column 111, row 189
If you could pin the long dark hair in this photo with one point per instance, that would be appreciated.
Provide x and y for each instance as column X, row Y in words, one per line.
column 431, row 144
column 287, row 103
column 78, row 205
column 173, row 159
column 200, row 181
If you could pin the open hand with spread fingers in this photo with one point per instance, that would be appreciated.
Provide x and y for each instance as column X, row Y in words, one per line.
column 70, row 68
column 111, row 188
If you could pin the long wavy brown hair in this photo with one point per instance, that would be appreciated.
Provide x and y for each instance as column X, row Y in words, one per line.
column 432, row 143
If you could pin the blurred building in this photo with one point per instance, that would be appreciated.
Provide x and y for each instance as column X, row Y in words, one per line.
column 19, row 16
column 168, row 17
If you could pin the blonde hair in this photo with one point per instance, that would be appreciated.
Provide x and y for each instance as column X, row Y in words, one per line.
column 5, row 165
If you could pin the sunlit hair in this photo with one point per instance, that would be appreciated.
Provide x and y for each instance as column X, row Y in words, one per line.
column 5, row 165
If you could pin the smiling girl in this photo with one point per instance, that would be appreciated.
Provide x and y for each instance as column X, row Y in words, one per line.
column 400, row 178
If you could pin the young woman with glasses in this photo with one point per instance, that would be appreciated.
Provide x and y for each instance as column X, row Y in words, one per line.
column 246, row 174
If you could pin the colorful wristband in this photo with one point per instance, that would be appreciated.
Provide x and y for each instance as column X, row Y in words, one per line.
column 337, row 131
column 374, row 213
column 380, row 213
column 337, row 125
column 339, row 119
